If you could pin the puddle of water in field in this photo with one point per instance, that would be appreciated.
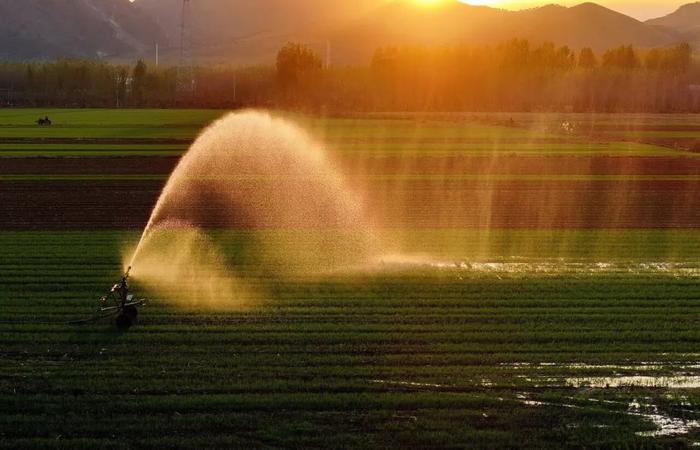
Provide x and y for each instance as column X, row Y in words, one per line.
column 676, row 376
column 640, row 366
column 533, row 403
column 484, row 382
column 666, row 425
column 666, row 382
column 553, row 266
column 678, row 379
column 681, row 377
column 410, row 384
column 525, row 399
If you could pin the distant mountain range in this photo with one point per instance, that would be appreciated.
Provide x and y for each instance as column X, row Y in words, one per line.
column 247, row 31
column 40, row 29
column 682, row 25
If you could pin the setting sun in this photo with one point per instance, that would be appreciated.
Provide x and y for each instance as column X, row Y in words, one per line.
column 493, row 3
column 430, row 2
column 483, row 2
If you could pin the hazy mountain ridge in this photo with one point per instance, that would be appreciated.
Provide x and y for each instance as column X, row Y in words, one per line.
column 247, row 31
column 684, row 24
column 236, row 18
column 585, row 25
column 357, row 33
column 685, row 19
column 37, row 29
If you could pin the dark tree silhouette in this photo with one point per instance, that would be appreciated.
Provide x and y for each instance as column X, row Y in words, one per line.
column 294, row 61
column 138, row 82
column 514, row 76
column 587, row 59
column 624, row 57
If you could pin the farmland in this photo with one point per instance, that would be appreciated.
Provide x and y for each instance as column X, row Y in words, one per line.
column 558, row 304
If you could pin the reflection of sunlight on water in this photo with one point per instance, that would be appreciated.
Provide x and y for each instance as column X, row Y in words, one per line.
column 657, row 374
column 546, row 266
column 666, row 382
column 409, row 384
column 422, row 385
column 640, row 366
column 666, row 425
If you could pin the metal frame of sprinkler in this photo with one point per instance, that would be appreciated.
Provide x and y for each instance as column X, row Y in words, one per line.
column 120, row 303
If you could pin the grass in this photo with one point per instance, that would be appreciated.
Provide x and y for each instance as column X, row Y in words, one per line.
column 88, row 132
column 361, row 137
column 113, row 117
column 412, row 358
column 468, row 339
column 495, row 148
column 356, row 150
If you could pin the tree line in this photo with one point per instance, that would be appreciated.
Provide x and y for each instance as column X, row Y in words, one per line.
column 513, row 76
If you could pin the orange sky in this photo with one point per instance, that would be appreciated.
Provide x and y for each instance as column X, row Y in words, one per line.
column 640, row 9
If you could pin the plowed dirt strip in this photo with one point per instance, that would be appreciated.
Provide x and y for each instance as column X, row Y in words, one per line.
column 357, row 167
column 76, row 205
column 431, row 204
column 89, row 165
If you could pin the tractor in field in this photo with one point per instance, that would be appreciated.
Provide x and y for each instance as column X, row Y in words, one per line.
column 45, row 122
column 121, row 303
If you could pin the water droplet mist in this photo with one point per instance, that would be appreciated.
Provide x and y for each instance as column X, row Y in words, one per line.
column 249, row 171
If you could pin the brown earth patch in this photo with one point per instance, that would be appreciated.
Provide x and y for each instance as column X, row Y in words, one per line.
column 637, row 127
column 122, row 165
column 76, row 205
column 127, row 205
column 539, row 205
column 102, row 141
column 519, row 165
column 460, row 140
column 356, row 167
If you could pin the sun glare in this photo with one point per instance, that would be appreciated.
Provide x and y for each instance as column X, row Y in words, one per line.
column 482, row 2
column 430, row 2
column 468, row 2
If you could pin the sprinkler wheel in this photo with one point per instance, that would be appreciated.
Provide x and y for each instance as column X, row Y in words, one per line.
column 124, row 322
column 132, row 312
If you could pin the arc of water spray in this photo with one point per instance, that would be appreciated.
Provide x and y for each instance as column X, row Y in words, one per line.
column 250, row 170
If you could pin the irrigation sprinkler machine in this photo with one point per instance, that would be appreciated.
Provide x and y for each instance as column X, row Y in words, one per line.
column 120, row 302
